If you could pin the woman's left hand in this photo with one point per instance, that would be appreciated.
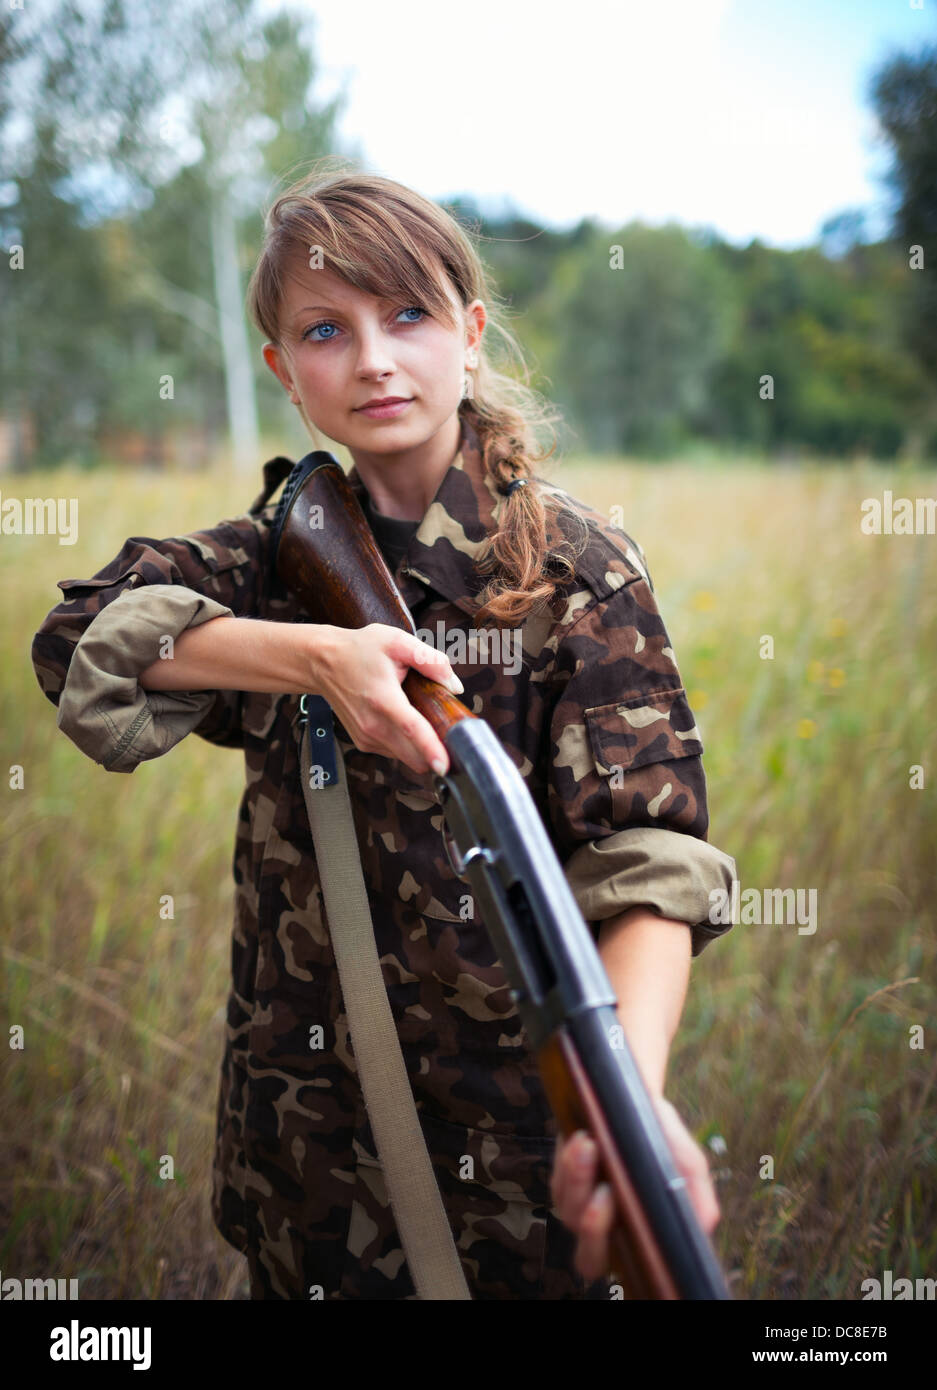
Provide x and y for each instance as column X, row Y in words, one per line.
column 586, row 1211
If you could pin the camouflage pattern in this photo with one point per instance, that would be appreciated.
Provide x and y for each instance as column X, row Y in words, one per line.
column 598, row 724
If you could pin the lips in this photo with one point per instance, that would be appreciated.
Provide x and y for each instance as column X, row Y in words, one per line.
column 387, row 408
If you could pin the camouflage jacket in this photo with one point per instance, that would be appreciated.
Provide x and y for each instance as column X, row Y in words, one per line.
column 595, row 717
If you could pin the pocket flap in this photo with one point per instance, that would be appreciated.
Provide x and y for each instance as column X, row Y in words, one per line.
column 642, row 729
column 100, row 582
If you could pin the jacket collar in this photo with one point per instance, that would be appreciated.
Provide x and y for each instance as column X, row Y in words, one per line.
column 442, row 552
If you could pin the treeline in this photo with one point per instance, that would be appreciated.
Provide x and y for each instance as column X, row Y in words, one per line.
column 655, row 337
column 129, row 234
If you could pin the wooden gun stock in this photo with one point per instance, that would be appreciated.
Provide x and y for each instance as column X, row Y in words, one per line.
column 342, row 579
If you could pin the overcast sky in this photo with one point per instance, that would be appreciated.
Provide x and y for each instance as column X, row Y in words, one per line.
column 750, row 116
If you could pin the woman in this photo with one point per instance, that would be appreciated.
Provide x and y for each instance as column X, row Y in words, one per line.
column 375, row 306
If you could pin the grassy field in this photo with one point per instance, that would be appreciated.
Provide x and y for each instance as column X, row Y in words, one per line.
column 793, row 1047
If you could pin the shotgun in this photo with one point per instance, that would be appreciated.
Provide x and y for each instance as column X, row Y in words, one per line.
column 497, row 843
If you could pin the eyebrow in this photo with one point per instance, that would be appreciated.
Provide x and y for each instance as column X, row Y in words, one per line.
column 333, row 309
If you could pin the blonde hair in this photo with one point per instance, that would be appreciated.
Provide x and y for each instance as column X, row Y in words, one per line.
column 383, row 238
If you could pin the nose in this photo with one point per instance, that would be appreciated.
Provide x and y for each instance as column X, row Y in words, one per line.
column 375, row 357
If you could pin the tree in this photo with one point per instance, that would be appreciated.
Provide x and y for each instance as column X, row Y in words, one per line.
column 904, row 93
column 126, row 133
column 638, row 332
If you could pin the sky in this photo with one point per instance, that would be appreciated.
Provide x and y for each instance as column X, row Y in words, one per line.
column 747, row 116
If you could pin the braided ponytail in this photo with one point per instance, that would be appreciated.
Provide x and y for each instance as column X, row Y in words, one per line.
column 530, row 555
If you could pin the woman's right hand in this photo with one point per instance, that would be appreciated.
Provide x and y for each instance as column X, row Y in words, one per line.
column 360, row 672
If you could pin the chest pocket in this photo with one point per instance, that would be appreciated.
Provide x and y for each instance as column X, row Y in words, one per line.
column 647, row 751
column 632, row 733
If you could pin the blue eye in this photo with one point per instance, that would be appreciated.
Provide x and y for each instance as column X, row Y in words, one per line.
column 327, row 323
column 324, row 324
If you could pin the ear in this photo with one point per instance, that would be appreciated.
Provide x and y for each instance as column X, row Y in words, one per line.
column 274, row 360
column 475, row 320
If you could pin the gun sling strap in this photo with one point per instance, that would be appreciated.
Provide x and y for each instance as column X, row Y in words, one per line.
column 414, row 1195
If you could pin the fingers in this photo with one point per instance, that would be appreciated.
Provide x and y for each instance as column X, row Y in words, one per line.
column 574, row 1177
column 364, row 688
column 388, row 724
column 702, row 1194
column 589, row 1211
column 430, row 662
column 413, row 740
column 592, row 1253
column 420, row 748
column 692, row 1164
column 584, row 1208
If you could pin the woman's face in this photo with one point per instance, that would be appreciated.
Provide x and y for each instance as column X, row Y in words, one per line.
column 341, row 347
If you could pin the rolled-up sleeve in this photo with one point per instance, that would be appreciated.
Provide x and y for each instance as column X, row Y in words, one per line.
column 92, row 647
column 627, row 791
column 103, row 708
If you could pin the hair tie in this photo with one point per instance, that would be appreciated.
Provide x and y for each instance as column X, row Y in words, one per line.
column 517, row 482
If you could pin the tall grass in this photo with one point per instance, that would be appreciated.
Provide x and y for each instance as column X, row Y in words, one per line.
column 794, row 1050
